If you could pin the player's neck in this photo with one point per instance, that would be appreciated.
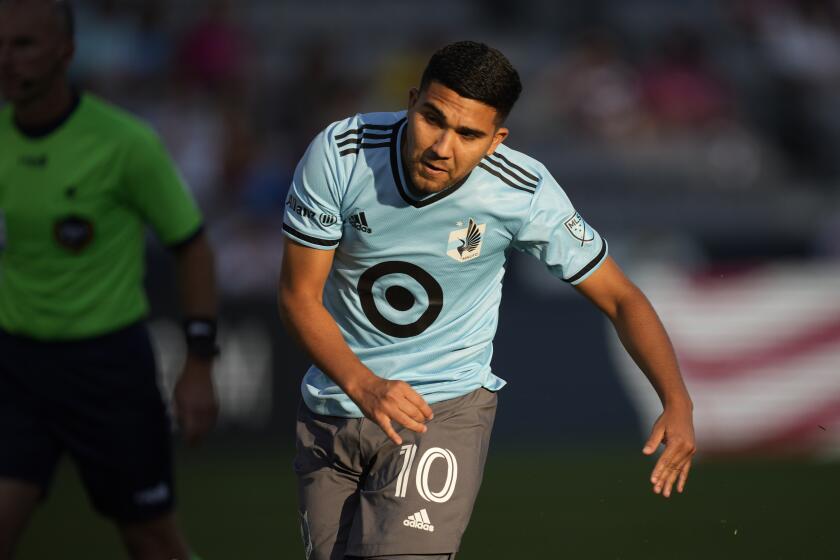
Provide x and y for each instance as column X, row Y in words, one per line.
column 46, row 110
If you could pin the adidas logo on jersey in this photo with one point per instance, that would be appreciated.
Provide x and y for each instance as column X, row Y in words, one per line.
column 420, row 520
column 358, row 220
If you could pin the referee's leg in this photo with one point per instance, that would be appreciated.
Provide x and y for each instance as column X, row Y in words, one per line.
column 156, row 539
column 28, row 452
column 18, row 500
column 118, row 433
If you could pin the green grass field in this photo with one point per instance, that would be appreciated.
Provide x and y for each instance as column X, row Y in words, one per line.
column 237, row 502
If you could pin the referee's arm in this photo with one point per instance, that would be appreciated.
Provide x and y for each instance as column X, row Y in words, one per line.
column 196, row 276
column 196, row 406
column 644, row 337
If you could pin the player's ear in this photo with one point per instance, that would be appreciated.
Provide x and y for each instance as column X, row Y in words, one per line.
column 413, row 96
column 498, row 137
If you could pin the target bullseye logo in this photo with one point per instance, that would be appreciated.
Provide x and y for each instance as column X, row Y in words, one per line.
column 400, row 298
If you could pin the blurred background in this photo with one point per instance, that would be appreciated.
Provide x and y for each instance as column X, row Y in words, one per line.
column 700, row 137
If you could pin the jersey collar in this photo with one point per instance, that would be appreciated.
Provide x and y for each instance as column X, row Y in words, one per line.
column 403, row 181
column 35, row 132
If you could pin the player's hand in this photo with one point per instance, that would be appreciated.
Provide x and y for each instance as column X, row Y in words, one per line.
column 196, row 407
column 382, row 401
column 675, row 429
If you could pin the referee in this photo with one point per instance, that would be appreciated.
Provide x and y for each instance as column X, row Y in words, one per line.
column 79, row 181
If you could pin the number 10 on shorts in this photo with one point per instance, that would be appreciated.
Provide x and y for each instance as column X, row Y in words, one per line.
column 424, row 467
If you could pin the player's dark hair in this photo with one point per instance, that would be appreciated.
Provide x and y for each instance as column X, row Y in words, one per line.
column 475, row 71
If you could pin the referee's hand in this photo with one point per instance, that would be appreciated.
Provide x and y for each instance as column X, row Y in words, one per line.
column 382, row 401
column 196, row 407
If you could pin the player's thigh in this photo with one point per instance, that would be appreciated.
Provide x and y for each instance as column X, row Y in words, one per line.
column 328, row 470
column 418, row 497
column 116, row 428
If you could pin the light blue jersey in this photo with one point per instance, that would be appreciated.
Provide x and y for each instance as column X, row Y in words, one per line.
column 416, row 283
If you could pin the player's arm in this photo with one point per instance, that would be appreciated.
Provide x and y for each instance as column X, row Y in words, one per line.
column 304, row 273
column 642, row 334
column 196, row 406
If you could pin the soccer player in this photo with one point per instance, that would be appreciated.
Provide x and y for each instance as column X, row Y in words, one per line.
column 397, row 227
column 79, row 179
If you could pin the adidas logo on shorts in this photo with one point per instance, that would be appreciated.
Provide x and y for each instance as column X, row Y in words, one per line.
column 420, row 520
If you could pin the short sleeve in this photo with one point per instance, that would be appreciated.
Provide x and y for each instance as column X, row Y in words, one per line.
column 155, row 189
column 313, row 205
column 558, row 235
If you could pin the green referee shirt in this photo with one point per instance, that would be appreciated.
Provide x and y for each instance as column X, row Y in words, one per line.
column 74, row 204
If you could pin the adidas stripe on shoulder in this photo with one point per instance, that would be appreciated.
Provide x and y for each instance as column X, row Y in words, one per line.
column 510, row 173
column 367, row 135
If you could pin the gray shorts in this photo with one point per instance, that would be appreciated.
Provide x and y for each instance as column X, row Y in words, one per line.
column 363, row 495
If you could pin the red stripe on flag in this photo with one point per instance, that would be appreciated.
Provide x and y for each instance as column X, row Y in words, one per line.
column 746, row 363
column 799, row 434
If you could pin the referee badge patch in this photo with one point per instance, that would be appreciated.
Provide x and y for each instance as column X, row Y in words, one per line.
column 74, row 233
column 465, row 244
column 579, row 229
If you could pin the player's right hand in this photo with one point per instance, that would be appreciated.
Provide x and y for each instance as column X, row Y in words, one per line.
column 383, row 401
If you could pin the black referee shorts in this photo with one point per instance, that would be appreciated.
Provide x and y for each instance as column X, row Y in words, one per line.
column 98, row 401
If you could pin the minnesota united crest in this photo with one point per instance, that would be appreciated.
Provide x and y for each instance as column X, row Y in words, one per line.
column 465, row 244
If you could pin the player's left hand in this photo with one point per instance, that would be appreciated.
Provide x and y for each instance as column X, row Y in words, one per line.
column 675, row 429
column 196, row 407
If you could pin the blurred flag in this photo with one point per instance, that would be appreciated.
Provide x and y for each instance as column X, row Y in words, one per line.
column 759, row 348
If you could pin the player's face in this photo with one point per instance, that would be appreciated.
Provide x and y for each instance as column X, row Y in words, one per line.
column 34, row 51
column 446, row 137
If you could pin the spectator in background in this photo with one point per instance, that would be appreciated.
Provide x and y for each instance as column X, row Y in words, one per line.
column 212, row 52
column 321, row 91
column 691, row 127
column 398, row 70
column 679, row 89
column 105, row 51
column 802, row 42
column 193, row 129
column 152, row 46
column 596, row 90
